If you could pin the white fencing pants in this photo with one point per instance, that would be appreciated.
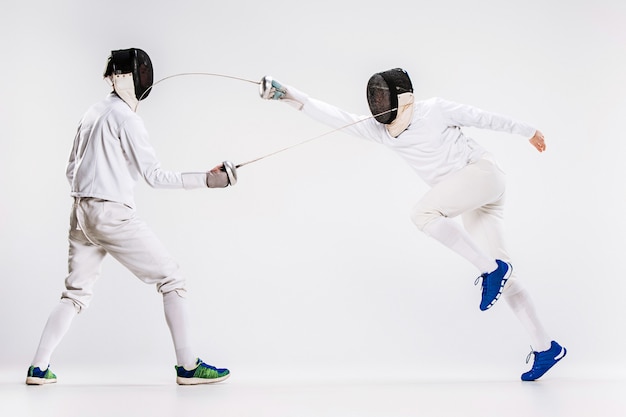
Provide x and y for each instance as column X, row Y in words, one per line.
column 476, row 193
column 100, row 227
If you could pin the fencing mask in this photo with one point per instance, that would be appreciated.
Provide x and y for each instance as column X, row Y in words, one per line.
column 130, row 71
column 390, row 98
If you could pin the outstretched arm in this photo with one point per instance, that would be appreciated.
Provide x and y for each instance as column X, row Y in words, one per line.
column 463, row 115
column 361, row 126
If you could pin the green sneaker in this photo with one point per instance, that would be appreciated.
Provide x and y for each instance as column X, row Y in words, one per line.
column 36, row 376
column 201, row 374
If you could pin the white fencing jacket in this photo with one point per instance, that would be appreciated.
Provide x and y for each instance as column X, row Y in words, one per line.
column 111, row 152
column 434, row 144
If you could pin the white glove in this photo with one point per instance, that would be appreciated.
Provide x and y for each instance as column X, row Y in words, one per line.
column 270, row 89
column 222, row 175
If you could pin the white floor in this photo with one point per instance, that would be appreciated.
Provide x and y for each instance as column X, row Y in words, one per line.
column 82, row 396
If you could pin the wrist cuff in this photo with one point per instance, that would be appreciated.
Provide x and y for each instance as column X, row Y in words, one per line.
column 193, row 180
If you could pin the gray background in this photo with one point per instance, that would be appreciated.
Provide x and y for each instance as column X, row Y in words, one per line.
column 310, row 267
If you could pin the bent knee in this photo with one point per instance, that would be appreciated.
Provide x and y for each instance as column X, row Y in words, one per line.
column 422, row 217
column 174, row 283
column 78, row 303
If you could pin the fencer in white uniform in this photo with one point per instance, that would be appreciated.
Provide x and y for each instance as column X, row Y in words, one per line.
column 464, row 181
column 110, row 154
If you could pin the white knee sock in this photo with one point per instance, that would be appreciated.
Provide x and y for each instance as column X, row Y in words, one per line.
column 453, row 235
column 177, row 316
column 56, row 327
column 520, row 302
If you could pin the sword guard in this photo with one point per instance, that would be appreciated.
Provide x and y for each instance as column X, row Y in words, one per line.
column 231, row 172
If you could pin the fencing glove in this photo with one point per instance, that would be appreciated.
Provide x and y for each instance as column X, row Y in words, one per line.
column 270, row 89
column 222, row 175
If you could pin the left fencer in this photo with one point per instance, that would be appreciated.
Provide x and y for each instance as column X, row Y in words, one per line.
column 111, row 152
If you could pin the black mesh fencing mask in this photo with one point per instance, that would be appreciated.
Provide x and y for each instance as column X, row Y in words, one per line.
column 383, row 89
column 136, row 62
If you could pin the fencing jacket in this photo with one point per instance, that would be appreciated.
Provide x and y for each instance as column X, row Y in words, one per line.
column 434, row 144
column 111, row 152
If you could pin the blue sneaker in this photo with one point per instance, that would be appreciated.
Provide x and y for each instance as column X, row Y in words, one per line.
column 36, row 376
column 493, row 284
column 201, row 374
column 544, row 361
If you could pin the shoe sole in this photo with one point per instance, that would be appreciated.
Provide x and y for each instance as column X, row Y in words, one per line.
column 32, row 380
column 199, row 381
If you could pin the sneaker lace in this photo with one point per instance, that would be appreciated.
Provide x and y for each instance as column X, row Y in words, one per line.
column 532, row 352
column 477, row 280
